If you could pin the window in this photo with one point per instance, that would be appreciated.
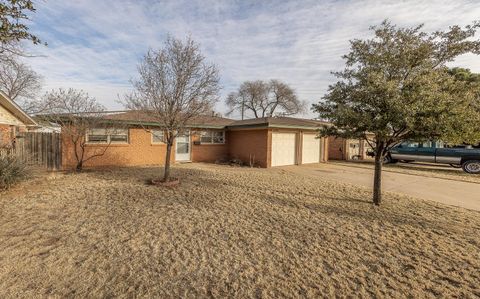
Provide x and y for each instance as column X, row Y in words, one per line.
column 158, row 136
column 426, row 144
column 410, row 144
column 107, row 136
column 212, row 137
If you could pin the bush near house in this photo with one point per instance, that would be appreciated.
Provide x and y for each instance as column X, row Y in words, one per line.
column 12, row 170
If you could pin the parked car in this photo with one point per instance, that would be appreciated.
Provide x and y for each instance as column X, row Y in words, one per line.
column 466, row 157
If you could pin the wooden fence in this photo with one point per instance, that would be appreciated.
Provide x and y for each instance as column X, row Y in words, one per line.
column 38, row 149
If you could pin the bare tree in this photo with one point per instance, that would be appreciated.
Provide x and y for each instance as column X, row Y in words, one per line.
column 21, row 84
column 174, row 86
column 264, row 99
column 283, row 97
column 252, row 96
column 78, row 114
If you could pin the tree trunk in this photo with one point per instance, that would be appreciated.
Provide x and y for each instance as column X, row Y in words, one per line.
column 166, row 175
column 377, row 179
column 79, row 166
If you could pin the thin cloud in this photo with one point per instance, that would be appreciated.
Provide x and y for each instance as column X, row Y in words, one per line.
column 95, row 45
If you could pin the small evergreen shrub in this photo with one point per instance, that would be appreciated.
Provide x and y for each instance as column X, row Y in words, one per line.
column 12, row 170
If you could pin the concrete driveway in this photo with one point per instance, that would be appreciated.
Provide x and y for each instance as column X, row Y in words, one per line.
column 446, row 191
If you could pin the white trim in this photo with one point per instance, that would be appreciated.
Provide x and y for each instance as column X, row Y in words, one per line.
column 108, row 139
column 211, row 137
column 184, row 158
column 13, row 124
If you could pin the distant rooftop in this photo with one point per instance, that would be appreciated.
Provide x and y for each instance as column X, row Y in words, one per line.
column 280, row 121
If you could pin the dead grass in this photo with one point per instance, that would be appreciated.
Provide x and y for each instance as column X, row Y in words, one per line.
column 229, row 232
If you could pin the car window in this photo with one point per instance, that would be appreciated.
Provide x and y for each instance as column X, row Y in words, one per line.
column 426, row 144
column 412, row 144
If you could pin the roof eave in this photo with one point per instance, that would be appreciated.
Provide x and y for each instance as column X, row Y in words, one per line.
column 155, row 124
column 16, row 110
column 293, row 127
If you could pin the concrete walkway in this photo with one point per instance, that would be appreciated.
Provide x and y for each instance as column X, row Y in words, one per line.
column 451, row 192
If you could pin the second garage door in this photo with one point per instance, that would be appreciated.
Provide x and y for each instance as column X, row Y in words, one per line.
column 310, row 149
column 283, row 148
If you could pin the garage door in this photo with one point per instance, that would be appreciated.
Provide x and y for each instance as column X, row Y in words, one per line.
column 283, row 149
column 310, row 149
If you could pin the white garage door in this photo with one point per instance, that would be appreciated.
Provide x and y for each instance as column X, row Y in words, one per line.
column 283, row 149
column 310, row 149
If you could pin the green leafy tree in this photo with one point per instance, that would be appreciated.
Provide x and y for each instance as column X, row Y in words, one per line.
column 396, row 86
column 463, row 74
column 471, row 81
column 13, row 27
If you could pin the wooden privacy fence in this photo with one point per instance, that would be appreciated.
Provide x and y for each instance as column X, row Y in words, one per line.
column 38, row 149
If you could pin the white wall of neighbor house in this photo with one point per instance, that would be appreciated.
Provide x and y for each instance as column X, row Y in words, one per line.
column 7, row 118
column 283, row 148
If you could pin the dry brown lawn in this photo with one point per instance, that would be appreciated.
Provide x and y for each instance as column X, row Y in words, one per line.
column 229, row 232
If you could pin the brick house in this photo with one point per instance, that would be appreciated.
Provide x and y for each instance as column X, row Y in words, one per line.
column 12, row 120
column 264, row 142
column 348, row 149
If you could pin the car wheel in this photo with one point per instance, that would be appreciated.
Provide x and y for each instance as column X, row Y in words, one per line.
column 471, row 166
column 387, row 160
column 456, row 165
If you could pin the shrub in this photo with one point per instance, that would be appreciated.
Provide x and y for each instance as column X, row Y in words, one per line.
column 12, row 170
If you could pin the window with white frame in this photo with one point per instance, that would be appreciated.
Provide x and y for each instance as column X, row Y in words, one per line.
column 212, row 137
column 158, row 136
column 110, row 135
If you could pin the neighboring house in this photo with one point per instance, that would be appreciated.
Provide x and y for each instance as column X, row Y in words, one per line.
column 45, row 126
column 12, row 120
column 347, row 149
column 264, row 142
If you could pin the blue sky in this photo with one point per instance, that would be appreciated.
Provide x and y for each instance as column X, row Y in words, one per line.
column 96, row 45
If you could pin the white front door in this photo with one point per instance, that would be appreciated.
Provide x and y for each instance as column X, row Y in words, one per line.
column 182, row 147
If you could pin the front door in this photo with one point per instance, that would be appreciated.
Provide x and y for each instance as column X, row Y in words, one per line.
column 182, row 148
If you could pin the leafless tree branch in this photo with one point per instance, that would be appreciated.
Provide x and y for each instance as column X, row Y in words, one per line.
column 174, row 86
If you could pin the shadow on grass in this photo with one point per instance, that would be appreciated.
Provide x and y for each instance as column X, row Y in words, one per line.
column 363, row 211
column 357, row 208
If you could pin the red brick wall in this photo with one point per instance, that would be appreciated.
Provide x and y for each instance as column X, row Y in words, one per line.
column 243, row 144
column 336, row 148
column 5, row 137
column 139, row 151
column 209, row 152
column 326, row 149
column 239, row 144
column 8, row 134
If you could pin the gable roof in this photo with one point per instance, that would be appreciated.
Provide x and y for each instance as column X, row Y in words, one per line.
column 279, row 122
column 13, row 108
